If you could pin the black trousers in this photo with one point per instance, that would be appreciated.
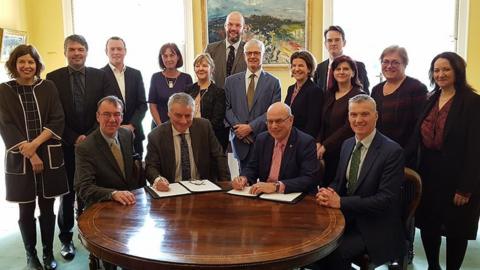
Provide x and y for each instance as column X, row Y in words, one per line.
column 351, row 247
column 66, row 219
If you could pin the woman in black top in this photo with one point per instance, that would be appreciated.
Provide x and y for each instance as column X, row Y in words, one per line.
column 335, row 125
column 31, row 125
column 447, row 134
column 304, row 97
column 209, row 99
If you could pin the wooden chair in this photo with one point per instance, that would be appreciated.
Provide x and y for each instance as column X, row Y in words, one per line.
column 410, row 198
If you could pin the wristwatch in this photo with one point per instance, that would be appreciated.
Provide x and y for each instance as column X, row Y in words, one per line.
column 277, row 186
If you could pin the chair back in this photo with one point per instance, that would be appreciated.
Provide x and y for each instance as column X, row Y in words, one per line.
column 411, row 195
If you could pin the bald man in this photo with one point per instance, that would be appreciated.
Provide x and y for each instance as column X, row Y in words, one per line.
column 227, row 54
column 283, row 159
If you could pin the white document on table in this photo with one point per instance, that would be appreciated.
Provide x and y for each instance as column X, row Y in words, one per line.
column 290, row 197
column 200, row 185
column 244, row 192
column 175, row 190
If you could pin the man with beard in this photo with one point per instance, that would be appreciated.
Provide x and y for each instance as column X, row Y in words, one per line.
column 228, row 54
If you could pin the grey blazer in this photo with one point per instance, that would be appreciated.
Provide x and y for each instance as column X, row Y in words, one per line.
column 97, row 173
column 209, row 158
column 218, row 52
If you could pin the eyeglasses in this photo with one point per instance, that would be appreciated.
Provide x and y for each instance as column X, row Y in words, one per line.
column 254, row 53
column 197, row 182
column 107, row 115
column 393, row 63
column 276, row 121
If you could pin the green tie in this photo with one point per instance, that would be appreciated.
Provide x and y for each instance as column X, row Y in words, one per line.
column 354, row 167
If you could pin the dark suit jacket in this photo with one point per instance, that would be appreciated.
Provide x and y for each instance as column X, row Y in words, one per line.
column 299, row 168
column 307, row 107
column 136, row 105
column 267, row 92
column 218, row 52
column 321, row 72
column 374, row 207
column 208, row 154
column 97, row 173
column 97, row 86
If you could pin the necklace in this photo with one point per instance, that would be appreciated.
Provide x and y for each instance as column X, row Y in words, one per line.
column 170, row 82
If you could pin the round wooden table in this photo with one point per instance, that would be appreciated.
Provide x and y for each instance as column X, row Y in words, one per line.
column 210, row 231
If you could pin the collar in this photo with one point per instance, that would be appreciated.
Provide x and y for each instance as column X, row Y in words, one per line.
column 71, row 70
column 257, row 73
column 235, row 45
column 282, row 142
column 367, row 141
column 175, row 132
column 110, row 140
column 114, row 69
column 330, row 59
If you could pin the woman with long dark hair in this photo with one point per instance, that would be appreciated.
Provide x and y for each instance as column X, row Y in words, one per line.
column 448, row 135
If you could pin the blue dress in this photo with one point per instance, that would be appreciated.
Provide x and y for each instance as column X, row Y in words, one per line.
column 160, row 91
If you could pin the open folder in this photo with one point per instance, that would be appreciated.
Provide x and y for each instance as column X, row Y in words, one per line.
column 278, row 197
column 183, row 188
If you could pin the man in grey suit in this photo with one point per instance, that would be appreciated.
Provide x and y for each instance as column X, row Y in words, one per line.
column 104, row 161
column 128, row 85
column 184, row 147
column 227, row 54
column 248, row 95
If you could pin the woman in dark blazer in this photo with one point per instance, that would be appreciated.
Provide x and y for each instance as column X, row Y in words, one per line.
column 448, row 135
column 209, row 99
column 304, row 97
column 335, row 127
column 31, row 125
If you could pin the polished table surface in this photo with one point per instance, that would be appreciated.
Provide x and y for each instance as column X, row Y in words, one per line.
column 210, row 230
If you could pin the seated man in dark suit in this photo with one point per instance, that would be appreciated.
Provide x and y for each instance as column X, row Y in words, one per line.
column 284, row 158
column 105, row 160
column 334, row 39
column 184, row 148
column 366, row 189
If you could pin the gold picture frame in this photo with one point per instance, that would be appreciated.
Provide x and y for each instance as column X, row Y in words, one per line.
column 9, row 40
column 271, row 65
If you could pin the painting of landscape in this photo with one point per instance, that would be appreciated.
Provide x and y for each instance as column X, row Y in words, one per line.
column 280, row 24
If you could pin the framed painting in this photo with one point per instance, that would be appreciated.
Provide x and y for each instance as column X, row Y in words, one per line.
column 282, row 25
column 9, row 39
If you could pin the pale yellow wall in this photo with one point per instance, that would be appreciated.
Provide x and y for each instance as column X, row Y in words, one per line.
column 45, row 24
column 13, row 15
column 473, row 51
